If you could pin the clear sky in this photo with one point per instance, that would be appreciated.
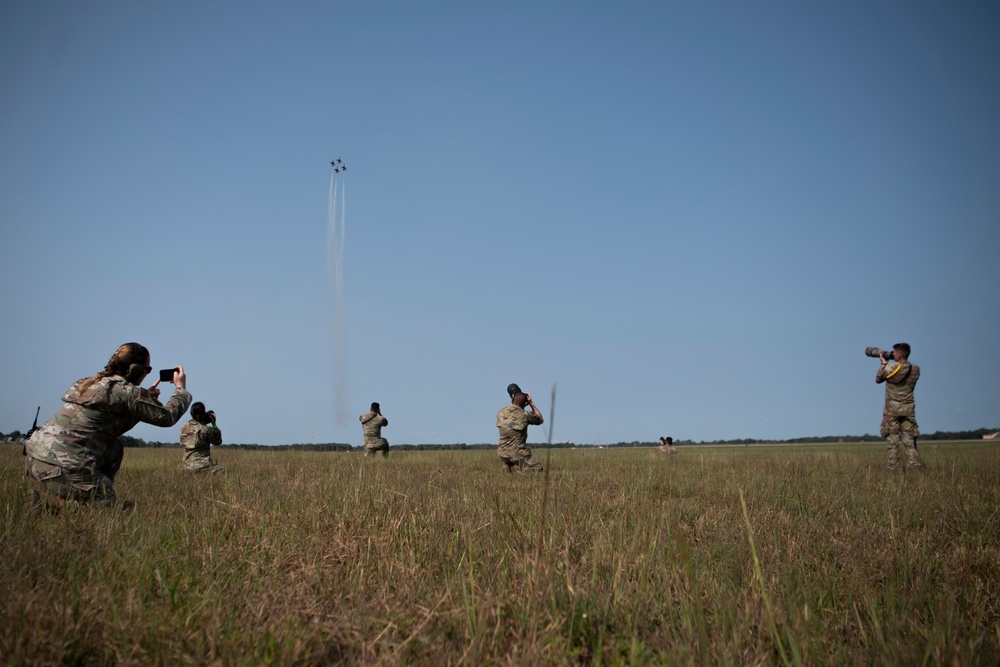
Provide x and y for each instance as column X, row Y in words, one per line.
column 691, row 217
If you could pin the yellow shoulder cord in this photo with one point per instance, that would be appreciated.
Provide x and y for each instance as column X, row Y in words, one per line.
column 905, row 375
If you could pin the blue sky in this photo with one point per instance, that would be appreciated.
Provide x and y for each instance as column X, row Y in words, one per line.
column 690, row 217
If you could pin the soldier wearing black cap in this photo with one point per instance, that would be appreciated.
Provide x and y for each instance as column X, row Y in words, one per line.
column 372, row 423
column 513, row 421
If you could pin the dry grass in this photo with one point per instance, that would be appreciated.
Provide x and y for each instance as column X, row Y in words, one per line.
column 713, row 556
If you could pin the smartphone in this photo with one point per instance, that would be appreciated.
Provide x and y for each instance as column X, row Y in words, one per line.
column 167, row 374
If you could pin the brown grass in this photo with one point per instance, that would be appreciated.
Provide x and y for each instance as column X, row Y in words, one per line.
column 812, row 555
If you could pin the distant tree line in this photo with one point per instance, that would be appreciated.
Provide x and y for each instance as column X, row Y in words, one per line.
column 129, row 441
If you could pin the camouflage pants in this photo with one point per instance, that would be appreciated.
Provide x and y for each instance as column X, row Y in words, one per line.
column 79, row 485
column 375, row 446
column 520, row 457
column 208, row 466
column 901, row 431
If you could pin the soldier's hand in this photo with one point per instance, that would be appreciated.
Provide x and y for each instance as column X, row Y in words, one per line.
column 154, row 390
column 180, row 379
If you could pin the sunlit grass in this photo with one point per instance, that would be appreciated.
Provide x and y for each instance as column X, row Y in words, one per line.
column 433, row 558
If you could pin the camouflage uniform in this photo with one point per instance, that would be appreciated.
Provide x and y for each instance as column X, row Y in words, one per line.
column 666, row 447
column 197, row 439
column 76, row 454
column 371, row 424
column 513, row 449
column 899, row 422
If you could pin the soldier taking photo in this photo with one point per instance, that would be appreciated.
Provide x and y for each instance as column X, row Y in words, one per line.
column 899, row 421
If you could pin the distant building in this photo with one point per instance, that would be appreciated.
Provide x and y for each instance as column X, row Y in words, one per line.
column 992, row 436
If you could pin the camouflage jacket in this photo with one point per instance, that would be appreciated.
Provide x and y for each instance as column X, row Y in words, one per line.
column 197, row 440
column 513, row 424
column 900, row 378
column 372, row 424
column 85, row 429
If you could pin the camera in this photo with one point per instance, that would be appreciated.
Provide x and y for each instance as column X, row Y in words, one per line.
column 876, row 352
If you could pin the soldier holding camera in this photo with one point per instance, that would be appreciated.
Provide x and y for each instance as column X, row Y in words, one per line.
column 76, row 455
column 197, row 438
column 513, row 421
column 372, row 423
column 667, row 446
column 899, row 421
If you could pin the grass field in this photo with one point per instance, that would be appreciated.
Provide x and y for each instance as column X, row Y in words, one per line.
column 722, row 556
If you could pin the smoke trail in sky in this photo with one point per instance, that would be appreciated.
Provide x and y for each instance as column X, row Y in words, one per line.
column 335, row 275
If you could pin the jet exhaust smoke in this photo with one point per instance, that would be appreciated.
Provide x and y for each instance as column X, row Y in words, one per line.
column 335, row 237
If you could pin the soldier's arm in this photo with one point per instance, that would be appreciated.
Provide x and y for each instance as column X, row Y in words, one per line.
column 385, row 422
column 152, row 412
column 214, row 435
column 535, row 416
column 883, row 371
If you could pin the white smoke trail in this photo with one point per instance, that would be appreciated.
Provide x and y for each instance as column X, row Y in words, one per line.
column 335, row 272
column 340, row 248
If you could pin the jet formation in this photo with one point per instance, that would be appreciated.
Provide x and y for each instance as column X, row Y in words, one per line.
column 338, row 165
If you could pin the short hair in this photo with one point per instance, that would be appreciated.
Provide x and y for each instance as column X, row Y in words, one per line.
column 375, row 407
column 519, row 399
column 904, row 348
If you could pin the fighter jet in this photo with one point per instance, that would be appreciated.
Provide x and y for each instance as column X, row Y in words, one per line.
column 343, row 167
column 336, row 171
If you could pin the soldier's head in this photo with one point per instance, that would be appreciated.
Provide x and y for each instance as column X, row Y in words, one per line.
column 122, row 361
column 198, row 412
column 901, row 351
column 513, row 389
column 668, row 440
column 376, row 409
column 520, row 399
column 125, row 356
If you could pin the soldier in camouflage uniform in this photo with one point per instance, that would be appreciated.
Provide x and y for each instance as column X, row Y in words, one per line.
column 76, row 454
column 372, row 423
column 197, row 438
column 667, row 446
column 513, row 421
column 899, row 422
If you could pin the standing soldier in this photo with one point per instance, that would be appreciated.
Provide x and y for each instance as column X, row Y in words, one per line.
column 513, row 421
column 372, row 423
column 899, row 420
column 667, row 446
column 197, row 438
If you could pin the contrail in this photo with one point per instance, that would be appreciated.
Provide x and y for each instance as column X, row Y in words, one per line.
column 335, row 275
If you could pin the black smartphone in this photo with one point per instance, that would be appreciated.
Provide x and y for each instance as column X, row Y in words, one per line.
column 167, row 374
